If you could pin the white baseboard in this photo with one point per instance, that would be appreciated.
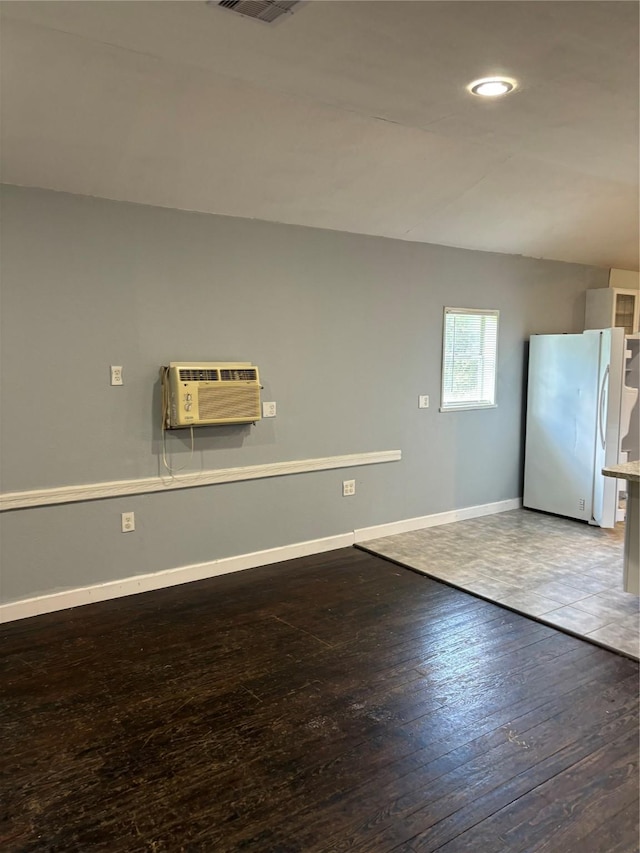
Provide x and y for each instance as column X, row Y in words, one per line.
column 364, row 534
column 52, row 602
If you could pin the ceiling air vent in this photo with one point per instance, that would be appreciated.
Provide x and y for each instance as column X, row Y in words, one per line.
column 262, row 10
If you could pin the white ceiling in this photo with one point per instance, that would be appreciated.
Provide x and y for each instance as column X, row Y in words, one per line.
column 352, row 116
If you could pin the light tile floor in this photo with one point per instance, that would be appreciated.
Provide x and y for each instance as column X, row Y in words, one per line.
column 561, row 572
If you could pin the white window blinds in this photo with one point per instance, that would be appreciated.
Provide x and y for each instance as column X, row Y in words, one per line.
column 469, row 358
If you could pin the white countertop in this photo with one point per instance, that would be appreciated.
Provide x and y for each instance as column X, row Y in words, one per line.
column 624, row 471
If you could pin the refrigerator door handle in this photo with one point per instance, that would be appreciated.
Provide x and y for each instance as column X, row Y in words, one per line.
column 601, row 407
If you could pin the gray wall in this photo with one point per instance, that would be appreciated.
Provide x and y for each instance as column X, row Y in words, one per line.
column 346, row 331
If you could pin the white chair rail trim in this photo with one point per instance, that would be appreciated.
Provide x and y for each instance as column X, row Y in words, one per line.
column 120, row 488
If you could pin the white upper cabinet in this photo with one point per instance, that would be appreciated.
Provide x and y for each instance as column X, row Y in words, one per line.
column 614, row 306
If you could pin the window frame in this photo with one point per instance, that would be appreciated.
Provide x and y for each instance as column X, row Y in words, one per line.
column 471, row 404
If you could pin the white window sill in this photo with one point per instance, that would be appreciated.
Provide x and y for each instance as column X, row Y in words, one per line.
column 466, row 408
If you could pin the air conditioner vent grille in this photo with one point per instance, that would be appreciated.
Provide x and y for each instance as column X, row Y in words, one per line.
column 237, row 403
column 262, row 10
column 198, row 375
column 238, row 375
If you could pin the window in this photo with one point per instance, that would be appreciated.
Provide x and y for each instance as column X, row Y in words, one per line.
column 469, row 358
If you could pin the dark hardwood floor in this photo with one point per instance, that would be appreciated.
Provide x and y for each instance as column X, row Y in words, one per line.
column 332, row 703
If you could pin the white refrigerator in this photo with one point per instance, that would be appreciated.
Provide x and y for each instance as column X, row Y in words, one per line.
column 574, row 424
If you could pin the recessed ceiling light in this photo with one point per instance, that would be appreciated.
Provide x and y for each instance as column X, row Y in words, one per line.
column 492, row 87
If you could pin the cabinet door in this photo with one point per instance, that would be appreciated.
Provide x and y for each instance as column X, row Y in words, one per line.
column 609, row 307
column 626, row 312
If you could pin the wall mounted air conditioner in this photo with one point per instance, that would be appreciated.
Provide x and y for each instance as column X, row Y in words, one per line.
column 206, row 393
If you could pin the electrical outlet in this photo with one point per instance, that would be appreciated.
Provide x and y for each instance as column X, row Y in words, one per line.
column 116, row 375
column 128, row 522
column 423, row 401
column 348, row 488
column 269, row 410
